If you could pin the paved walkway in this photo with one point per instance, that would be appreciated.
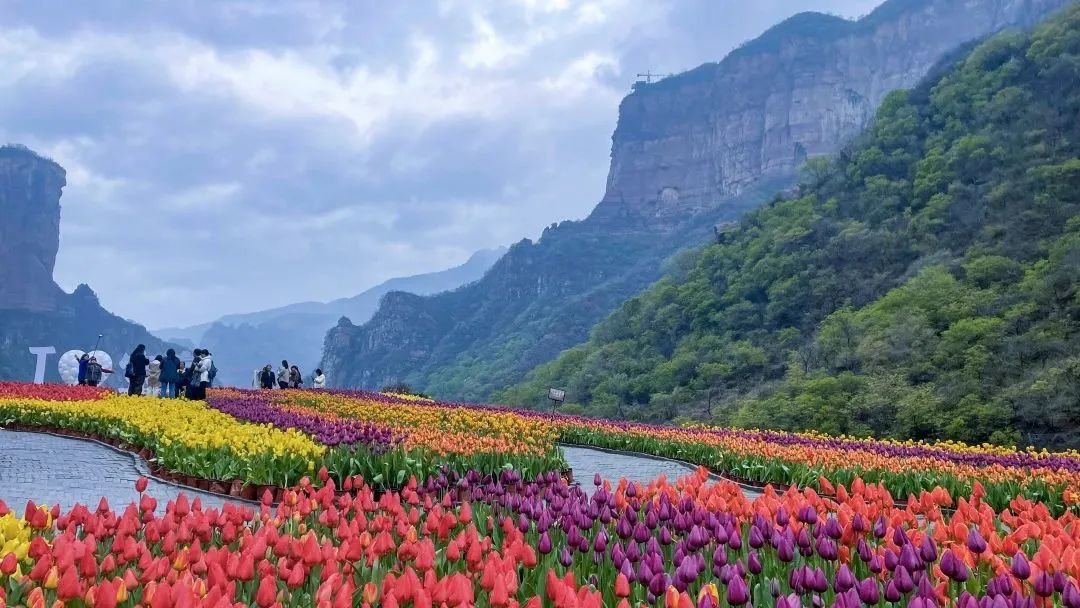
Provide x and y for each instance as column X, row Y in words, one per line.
column 50, row 469
column 60, row 470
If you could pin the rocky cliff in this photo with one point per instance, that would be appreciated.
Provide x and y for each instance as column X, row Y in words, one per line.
column 688, row 151
column 34, row 311
column 30, row 189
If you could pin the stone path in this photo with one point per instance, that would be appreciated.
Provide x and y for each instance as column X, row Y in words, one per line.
column 60, row 470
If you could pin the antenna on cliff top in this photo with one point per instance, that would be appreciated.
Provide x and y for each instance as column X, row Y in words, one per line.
column 648, row 78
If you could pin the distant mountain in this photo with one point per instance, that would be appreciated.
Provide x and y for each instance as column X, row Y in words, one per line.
column 244, row 342
column 34, row 310
column 688, row 152
column 923, row 284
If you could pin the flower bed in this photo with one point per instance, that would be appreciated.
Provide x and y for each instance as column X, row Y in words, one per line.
column 185, row 437
column 544, row 543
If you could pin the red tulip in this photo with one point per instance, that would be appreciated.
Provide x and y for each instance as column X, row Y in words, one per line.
column 8, row 564
column 141, row 483
column 622, row 586
column 266, row 594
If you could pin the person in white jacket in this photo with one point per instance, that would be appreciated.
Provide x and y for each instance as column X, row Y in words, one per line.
column 319, row 381
column 202, row 372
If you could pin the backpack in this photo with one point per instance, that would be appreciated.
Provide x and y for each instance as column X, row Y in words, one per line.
column 213, row 372
column 129, row 370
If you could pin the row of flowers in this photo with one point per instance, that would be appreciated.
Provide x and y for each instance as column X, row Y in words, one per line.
column 183, row 437
column 543, row 543
column 387, row 438
column 814, row 460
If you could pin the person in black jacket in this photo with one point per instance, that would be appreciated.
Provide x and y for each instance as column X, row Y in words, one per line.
column 138, row 363
column 170, row 375
column 266, row 377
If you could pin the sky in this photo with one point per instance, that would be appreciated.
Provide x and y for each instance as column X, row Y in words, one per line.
column 228, row 156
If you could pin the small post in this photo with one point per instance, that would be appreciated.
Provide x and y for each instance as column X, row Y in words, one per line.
column 98, row 343
column 557, row 396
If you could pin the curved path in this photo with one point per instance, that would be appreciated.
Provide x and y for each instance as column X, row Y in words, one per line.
column 51, row 469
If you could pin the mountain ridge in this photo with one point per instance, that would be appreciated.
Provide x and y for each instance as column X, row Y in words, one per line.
column 688, row 152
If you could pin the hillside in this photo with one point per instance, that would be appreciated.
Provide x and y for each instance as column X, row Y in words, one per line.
column 244, row 342
column 34, row 310
column 922, row 284
column 688, row 152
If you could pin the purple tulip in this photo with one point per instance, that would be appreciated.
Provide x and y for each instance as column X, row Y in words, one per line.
column 928, row 550
column 903, row 580
column 807, row 514
column 844, row 579
column 966, row 601
column 544, row 545
column 975, row 542
column 869, row 592
column 1044, row 585
column 892, row 594
column 832, row 528
column 753, row 563
column 565, row 557
column 1070, row 597
column 1021, row 569
column 1060, row 580
column 737, row 592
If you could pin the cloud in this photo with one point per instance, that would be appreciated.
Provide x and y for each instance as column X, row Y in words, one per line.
column 227, row 156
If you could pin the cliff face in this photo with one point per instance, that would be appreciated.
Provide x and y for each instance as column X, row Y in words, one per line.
column 804, row 88
column 688, row 151
column 30, row 188
column 34, row 311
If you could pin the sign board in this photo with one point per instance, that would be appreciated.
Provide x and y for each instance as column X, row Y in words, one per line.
column 556, row 394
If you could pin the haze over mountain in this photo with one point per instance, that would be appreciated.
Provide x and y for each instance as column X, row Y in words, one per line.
column 245, row 342
column 688, row 151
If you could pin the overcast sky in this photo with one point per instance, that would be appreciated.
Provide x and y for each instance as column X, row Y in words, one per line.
column 229, row 156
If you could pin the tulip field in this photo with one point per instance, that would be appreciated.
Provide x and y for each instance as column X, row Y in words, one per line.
column 368, row 499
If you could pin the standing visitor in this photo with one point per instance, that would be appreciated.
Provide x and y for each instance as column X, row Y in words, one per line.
column 266, row 377
column 202, row 374
column 295, row 379
column 153, row 376
column 212, row 375
column 170, row 374
column 83, row 361
column 283, row 374
column 191, row 378
column 94, row 372
column 319, row 381
column 136, row 370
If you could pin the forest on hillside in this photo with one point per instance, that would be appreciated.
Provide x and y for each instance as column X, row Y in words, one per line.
column 922, row 284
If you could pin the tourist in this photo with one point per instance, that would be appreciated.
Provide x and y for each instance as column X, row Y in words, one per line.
column 212, row 374
column 319, row 381
column 83, row 361
column 153, row 376
column 266, row 377
column 94, row 371
column 201, row 376
column 171, row 371
column 136, row 370
column 295, row 379
column 283, row 374
column 191, row 378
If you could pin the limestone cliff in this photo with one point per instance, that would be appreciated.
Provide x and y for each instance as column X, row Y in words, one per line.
column 34, row 311
column 688, row 151
column 30, row 189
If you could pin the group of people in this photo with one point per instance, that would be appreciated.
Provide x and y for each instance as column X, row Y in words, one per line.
column 165, row 376
column 287, row 376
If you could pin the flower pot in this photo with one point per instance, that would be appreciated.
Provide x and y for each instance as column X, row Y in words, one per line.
column 218, row 487
column 235, row 487
column 202, row 484
column 190, row 481
column 249, row 492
